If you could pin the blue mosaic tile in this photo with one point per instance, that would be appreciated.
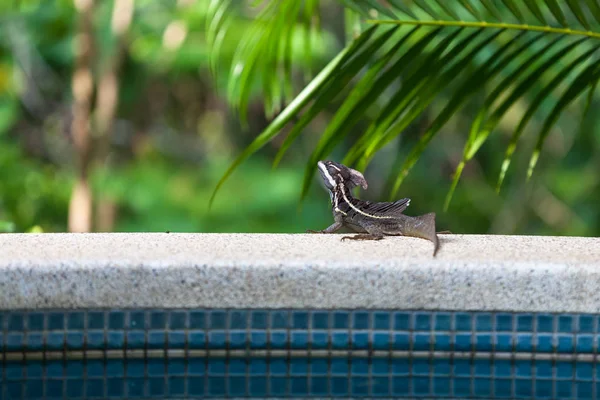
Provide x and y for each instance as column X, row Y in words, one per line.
column 418, row 375
column 381, row 341
column 482, row 367
column 279, row 319
column 524, row 342
column 259, row 340
column 217, row 339
column 543, row 369
column 96, row 320
column 402, row 321
column 15, row 322
column 176, row 340
column 75, row 369
column 115, row 340
column 279, row 339
column 74, row 388
column 360, row 340
column 504, row 322
column 75, row 340
column 258, row 367
column 525, row 323
column 319, row 386
column 136, row 388
column 504, row 342
column 116, row 320
column 156, row 387
column 543, row 389
column 401, row 341
column 441, row 367
column 35, row 369
column 360, row 366
column 35, row 322
column 197, row 320
column 462, row 387
column 177, row 320
column 441, row 387
column 381, row 320
column 462, row 367
column 54, row 389
column 503, row 388
column 545, row 323
column 158, row 320
column 462, row 342
column 584, row 371
column 137, row 320
column 565, row 344
column 422, row 322
column 422, row 342
column 587, row 324
column 463, row 322
column 56, row 321
column 218, row 320
column 95, row 368
column 95, row 388
column 482, row 387
column 320, row 340
column 443, row 322
column 136, row 340
column 340, row 340
column 115, row 387
column 341, row 320
column 585, row 344
column 238, row 320
column 361, row 320
column 565, row 324
column 278, row 386
column 197, row 340
column 75, row 321
column 483, row 323
column 360, row 386
column 484, row 342
column 259, row 320
column 400, row 386
column 14, row 341
column 278, row 367
column 55, row 340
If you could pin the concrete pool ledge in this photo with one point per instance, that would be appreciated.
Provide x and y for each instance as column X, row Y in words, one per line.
column 172, row 270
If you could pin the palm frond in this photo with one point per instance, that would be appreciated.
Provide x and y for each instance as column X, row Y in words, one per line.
column 411, row 54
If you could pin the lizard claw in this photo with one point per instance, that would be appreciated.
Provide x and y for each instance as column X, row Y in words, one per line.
column 312, row 231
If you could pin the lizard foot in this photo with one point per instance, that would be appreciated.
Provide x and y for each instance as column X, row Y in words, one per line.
column 444, row 233
column 311, row 231
column 363, row 236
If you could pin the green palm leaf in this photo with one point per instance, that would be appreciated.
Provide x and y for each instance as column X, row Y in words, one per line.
column 433, row 48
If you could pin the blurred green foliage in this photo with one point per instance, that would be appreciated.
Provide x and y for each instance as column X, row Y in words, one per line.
column 174, row 135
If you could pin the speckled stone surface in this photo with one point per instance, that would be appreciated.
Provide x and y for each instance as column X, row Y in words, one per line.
column 470, row 272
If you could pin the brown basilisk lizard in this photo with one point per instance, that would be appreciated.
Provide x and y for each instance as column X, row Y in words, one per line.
column 373, row 220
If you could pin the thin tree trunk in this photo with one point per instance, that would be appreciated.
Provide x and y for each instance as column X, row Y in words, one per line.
column 80, row 206
column 106, row 105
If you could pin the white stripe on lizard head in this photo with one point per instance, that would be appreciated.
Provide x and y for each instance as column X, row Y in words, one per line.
column 323, row 168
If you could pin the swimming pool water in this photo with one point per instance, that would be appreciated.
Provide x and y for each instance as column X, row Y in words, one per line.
column 297, row 353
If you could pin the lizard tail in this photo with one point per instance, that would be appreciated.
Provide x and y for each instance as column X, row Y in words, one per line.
column 423, row 226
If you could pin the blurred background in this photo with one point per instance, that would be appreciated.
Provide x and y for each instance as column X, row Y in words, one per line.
column 111, row 120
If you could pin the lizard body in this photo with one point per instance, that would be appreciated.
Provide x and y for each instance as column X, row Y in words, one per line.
column 372, row 220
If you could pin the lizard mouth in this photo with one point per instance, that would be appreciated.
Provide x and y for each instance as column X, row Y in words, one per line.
column 327, row 178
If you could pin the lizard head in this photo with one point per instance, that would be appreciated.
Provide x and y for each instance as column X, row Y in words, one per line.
column 334, row 174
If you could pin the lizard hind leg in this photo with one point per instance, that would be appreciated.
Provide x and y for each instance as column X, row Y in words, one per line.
column 372, row 233
column 363, row 236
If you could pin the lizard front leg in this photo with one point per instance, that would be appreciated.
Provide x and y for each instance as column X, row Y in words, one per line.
column 336, row 226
